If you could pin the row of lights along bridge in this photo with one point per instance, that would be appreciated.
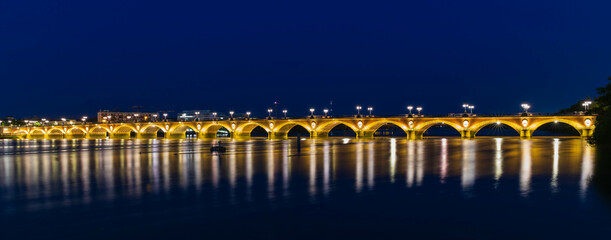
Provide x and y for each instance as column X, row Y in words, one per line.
column 156, row 117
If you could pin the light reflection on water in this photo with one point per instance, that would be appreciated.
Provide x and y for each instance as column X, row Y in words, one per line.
column 46, row 175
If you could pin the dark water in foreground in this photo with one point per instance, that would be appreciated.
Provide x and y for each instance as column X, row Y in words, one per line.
column 338, row 188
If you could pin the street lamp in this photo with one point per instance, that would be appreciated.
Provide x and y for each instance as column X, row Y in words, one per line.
column 358, row 110
column 155, row 117
column 325, row 111
column 136, row 117
column 84, row 119
column 231, row 114
column 586, row 105
column 418, row 109
column 284, row 111
column 63, row 121
column 312, row 112
column 248, row 115
column 525, row 107
column 465, row 106
column 471, row 107
column 196, row 116
column 370, row 109
column 165, row 117
column 269, row 113
column 409, row 108
column 109, row 116
column 214, row 115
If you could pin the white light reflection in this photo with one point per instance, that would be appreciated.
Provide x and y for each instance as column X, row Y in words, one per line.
column 468, row 165
column 443, row 170
column 285, row 168
column 419, row 162
column 270, row 170
column 411, row 156
column 554, row 181
column 587, row 167
column 249, row 170
column 498, row 161
column 370, row 166
column 312, row 170
column 359, row 167
column 232, row 171
column 393, row 159
column 326, row 168
column 525, row 168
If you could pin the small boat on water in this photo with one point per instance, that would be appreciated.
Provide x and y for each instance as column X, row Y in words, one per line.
column 218, row 148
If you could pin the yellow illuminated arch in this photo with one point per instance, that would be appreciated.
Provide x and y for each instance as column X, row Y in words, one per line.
column 286, row 127
column 326, row 127
column 475, row 128
column 153, row 128
column 576, row 125
column 125, row 129
column 374, row 126
column 422, row 127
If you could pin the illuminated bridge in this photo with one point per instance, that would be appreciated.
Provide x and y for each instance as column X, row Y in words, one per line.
column 319, row 127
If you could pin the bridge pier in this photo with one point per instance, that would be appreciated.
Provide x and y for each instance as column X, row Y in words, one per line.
column 586, row 133
column 525, row 134
column 466, row 134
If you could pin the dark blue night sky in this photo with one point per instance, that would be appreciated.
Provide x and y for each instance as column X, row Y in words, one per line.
column 67, row 58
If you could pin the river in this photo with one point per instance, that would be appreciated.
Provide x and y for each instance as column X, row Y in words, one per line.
column 502, row 188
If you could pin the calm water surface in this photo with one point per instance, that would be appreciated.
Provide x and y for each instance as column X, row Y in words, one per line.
column 337, row 188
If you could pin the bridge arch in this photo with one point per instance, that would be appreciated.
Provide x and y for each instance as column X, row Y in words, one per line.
column 210, row 130
column 98, row 132
column 181, row 130
column 245, row 129
column 124, row 129
column 480, row 125
column 283, row 129
column 326, row 127
column 77, row 130
column 577, row 126
column 421, row 128
column 153, row 131
column 152, row 128
column 20, row 133
column 371, row 128
column 37, row 133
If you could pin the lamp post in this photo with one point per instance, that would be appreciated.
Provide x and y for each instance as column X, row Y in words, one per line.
column 269, row 113
column 154, row 117
column 369, row 109
column 231, row 114
column 248, row 115
column 136, row 117
column 525, row 107
column 471, row 107
column 586, row 105
column 197, row 116
column 409, row 108
column 214, row 116
column 312, row 112
column 165, row 117
column 109, row 117
column 358, row 111
column 284, row 111
column 465, row 106
column 325, row 111
column 419, row 109
column 84, row 119
column 63, row 121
